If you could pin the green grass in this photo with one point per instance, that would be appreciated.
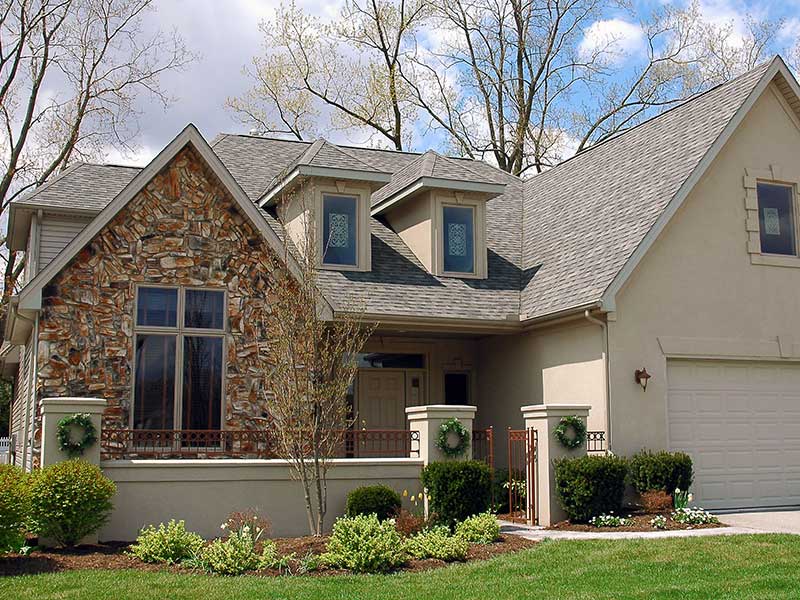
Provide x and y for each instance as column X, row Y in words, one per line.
column 752, row 567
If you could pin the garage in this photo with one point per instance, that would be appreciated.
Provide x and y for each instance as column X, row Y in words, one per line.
column 740, row 422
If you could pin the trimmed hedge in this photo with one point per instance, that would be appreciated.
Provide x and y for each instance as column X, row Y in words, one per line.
column 14, row 506
column 590, row 485
column 373, row 499
column 457, row 490
column 650, row 471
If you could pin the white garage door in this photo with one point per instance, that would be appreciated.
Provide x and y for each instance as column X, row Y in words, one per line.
column 740, row 422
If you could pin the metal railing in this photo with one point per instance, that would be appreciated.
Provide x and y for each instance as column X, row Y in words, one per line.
column 5, row 450
column 483, row 446
column 257, row 443
column 596, row 442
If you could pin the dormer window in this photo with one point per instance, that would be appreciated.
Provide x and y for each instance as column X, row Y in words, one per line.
column 776, row 219
column 340, row 230
column 458, row 236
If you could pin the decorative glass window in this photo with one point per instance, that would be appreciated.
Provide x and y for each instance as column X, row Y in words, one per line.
column 776, row 219
column 339, row 230
column 178, row 365
column 458, row 237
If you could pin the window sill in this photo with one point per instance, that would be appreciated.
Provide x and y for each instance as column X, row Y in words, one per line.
column 327, row 267
column 455, row 275
column 775, row 260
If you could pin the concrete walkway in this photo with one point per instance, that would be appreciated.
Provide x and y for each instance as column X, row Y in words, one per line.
column 738, row 524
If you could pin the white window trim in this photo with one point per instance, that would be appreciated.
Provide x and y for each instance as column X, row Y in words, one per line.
column 479, row 230
column 180, row 332
column 775, row 175
column 363, row 238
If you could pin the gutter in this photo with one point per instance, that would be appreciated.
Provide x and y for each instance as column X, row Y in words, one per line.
column 606, row 373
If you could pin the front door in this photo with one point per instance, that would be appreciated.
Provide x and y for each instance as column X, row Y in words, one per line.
column 381, row 399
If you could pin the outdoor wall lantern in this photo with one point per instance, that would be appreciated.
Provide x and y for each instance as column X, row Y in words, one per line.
column 641, row 376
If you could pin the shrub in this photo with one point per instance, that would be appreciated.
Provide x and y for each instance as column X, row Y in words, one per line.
column 588, row 486
column 232, row 556
column 656, row 501
column 662, row 470
column 70, row 500
column 14, row 506
column 373, row 499
column 408, row 523
column 170, row 543
column 479, row 529
column 500, row 491
column 438, row 543
column 365, row 544
column 457, row 490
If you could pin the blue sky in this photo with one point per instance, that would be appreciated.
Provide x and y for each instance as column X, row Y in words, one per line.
column 225, row 33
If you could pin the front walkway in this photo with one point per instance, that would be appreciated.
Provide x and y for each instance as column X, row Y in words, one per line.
column 739, row 523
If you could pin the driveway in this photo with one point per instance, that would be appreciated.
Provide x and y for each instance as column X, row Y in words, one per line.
column 767, row 521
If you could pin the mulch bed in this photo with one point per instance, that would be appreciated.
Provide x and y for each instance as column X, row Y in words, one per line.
column 112, row 555
column 641, row 522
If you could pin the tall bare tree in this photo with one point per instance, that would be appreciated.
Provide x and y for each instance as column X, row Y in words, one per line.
column 312, row 362
column 70, row 74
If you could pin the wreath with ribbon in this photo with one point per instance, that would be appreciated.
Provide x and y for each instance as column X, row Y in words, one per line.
column 443, row 440
column 578, row 436
column 65, row 429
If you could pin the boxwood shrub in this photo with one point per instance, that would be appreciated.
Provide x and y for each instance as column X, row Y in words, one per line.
column 373, row 499
column 457, row 490
column 70, row 500
column 590, row 485
column 14, row 506
column 364, row 544
column 650, row 471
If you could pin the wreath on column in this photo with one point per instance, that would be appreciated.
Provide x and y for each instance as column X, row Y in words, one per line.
column 452, row 426
column 65, row 428
column 578, row 428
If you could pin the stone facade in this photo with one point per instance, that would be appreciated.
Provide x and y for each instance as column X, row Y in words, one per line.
column 182, row 229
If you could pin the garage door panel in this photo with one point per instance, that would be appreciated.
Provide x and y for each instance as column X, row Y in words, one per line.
column 740, row 422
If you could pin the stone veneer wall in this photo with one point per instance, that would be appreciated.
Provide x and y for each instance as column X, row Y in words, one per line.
column 182, row 229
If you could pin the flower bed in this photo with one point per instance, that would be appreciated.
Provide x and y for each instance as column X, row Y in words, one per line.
column 635, row 522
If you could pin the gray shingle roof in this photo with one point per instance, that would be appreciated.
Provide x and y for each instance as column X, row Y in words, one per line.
column 584, row 218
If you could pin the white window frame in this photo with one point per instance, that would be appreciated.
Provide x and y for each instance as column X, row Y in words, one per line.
column 479, row 231
column 775, row 175
column 180, row 331
column 363, row 241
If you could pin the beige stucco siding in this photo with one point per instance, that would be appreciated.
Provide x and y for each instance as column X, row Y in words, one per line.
column 561, row 364
column 696, row 292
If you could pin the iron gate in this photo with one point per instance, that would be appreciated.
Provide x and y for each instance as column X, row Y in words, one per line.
column 521, row 475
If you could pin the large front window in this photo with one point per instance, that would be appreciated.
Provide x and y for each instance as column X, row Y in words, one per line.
column 339, row 230
column 458, row 237
column 178, row 364
column 776, row 219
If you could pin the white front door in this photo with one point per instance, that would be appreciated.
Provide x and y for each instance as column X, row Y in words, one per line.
column 740, row 422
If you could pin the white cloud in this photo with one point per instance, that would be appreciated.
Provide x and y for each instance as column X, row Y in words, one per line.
column 138, row 157
column 621, row 38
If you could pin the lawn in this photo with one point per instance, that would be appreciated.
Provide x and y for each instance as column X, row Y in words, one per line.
column 730, row 567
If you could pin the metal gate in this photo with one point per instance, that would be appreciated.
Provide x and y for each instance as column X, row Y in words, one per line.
column 521, row 475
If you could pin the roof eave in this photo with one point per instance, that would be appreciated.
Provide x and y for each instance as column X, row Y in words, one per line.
column 490, row 190
column 376, row 179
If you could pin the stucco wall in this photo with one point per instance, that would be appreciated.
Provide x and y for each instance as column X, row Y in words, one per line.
column 561, row 364
column 205, row 492
column 182, row 229
column 697, row 282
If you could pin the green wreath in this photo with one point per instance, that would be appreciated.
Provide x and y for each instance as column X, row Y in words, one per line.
column 443, row 440
column 65, row 441
column 578, row 432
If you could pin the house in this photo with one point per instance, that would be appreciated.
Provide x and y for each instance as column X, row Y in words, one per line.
column 671, row 248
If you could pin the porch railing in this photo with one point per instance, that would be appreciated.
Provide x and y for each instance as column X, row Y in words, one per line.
column 596, row 442
column 187, row 443
column 483, row 446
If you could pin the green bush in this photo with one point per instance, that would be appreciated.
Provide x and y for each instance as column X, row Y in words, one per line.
column 665, row 471
column 438, row 543
column 70, row 500
column 365, row 544
column 479, row 529
column 14, row 506
column 170, row 543
column 232, row 556
column 590, row 485
column 373, row 499
column 457, row 490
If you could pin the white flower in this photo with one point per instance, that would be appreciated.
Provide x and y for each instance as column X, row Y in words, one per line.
column 223, row 526
column 691, row 497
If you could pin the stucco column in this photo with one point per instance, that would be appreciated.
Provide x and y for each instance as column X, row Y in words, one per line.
column 544, row 418
column 55, row 409
column 428, row 419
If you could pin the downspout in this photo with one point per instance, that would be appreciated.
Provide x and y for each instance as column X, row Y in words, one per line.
column 606, row 376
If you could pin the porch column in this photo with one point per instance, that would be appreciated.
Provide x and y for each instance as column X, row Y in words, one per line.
column 544, row 418
column 428, row 419
column 55, row 409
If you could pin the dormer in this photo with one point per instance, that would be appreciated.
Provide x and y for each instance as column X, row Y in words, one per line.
column 437, row 205
column 331, row 188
